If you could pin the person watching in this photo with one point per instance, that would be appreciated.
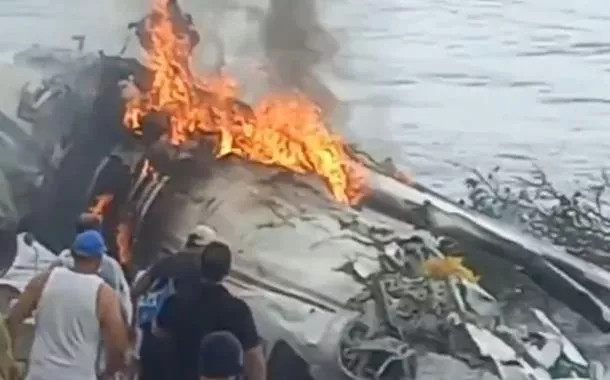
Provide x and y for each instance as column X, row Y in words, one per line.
column 172, row 274
column 75, row 309
column 212, row 308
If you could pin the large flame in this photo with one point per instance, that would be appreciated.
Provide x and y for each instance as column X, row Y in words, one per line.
column 286, row 130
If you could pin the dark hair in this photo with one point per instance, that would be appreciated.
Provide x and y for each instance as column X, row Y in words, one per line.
column 215, row 261
column 220, row 355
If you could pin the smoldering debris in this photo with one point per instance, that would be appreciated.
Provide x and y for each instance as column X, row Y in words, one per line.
column 420, row 302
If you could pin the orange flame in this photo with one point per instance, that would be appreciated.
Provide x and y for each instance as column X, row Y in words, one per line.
column 123, row 240
column 284, row 130
column 101, row 203
column 123, row 236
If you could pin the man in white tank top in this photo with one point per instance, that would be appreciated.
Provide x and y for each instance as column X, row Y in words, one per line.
column 110, row 270
column 74, row 309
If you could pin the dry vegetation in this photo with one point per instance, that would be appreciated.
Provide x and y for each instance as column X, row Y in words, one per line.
column 579, row 221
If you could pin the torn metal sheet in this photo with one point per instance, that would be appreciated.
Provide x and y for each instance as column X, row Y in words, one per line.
column 443, row 315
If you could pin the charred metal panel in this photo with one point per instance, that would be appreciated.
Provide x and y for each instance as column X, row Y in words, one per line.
column 91, row 118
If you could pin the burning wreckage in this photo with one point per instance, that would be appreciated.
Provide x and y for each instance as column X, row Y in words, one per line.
column 352, row 270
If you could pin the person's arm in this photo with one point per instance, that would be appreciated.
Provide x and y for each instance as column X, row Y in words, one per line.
column 138, row 289
column 161, row 269
column 245, row 330
column 142, row 284
column 114, row 329
column 26, row 303
column 255, row 364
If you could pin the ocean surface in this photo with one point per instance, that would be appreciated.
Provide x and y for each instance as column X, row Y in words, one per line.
column 431, row 83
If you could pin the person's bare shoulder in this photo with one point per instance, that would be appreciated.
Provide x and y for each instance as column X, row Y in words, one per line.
column 38, row 281
column 28, row 300
column 105, row 295
column 107, row 303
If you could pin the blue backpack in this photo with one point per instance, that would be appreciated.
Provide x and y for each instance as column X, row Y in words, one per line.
column 150, row 304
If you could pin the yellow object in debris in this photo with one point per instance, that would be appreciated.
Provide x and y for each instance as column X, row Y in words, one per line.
column 440, row 268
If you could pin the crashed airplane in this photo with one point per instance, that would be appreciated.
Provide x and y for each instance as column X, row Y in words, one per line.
column 352, row 270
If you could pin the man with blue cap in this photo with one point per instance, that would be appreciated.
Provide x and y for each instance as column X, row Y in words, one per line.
column 74, row 310
column 110, row 270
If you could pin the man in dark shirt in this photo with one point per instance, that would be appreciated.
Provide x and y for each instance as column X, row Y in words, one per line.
column 186, row 320
column 173, row 274
column 182, row 268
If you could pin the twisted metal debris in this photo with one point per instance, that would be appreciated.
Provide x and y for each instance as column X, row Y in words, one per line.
column 419, row 300
column 579, row 222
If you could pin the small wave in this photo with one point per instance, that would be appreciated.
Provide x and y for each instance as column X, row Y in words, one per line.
column 570, row 100
column 475, row 84
column 576, row 49
column 591, row 48
column 527, row 84
column 460, row 79
column 541, row 53
column 562, row 27
column 514, row 156
column 393, row 82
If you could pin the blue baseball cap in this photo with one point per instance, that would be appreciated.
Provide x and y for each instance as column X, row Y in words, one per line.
column 89, row 244
column 220, row 356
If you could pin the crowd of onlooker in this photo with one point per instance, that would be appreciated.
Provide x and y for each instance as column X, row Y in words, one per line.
column 177, row 321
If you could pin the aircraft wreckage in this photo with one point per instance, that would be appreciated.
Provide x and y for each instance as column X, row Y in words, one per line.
column 380, row 289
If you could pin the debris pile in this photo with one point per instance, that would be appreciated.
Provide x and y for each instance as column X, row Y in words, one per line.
column 419, row 300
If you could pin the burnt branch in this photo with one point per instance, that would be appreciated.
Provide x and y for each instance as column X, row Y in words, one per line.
column 579, row 222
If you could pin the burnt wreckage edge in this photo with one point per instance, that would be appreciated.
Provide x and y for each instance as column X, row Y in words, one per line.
column 53, row 223
column 63, row 194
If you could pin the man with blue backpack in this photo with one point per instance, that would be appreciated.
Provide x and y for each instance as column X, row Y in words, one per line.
column 153, row 356
column 176, row 274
